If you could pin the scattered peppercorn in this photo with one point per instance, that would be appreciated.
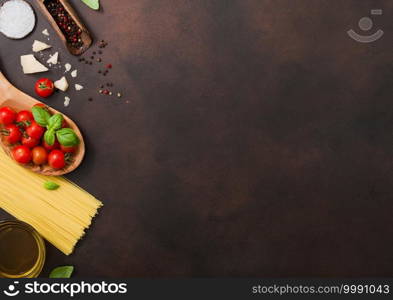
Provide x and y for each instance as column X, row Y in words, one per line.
column 99, row 59
column 102, row 44
column 90, row 99
column 109, row 66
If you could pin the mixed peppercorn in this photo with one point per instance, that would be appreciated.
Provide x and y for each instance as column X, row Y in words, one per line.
column 67, row 25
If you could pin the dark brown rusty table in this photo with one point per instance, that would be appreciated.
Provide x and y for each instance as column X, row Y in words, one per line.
column 254, row 138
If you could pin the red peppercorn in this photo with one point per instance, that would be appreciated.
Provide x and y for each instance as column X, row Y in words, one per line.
column 109, row 66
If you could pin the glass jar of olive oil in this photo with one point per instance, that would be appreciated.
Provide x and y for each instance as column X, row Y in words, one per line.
column 22, row 250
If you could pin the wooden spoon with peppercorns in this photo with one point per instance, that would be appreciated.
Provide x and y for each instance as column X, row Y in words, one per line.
column 67, row 24
column 17, row 100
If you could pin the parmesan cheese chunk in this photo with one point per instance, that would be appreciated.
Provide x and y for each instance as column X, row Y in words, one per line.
column 39, row 46
column 78, row 87
column 31, row 65
column 62, row 84
column 53, row 59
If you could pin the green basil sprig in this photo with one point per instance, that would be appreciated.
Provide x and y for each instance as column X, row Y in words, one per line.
column 55, row 122
column 67, row 137
column 41, row 115
column 93, row 4
column 62, row 272
column 50, row 137
column 51, row 186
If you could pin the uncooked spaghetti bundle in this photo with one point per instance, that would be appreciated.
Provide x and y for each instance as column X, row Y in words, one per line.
column 61, row 216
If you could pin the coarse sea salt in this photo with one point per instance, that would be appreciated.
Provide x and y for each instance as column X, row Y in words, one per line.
column 17, row 19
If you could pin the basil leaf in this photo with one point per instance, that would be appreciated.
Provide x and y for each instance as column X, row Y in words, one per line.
column 67, row 137
column 50, row 185
column 41, row 116
column 55, row 122
column 62, row 272
column 93, row 4
column 50, row 137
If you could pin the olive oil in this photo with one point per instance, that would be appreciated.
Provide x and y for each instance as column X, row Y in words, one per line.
column 22, row 250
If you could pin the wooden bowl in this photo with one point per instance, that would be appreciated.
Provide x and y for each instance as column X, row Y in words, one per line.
column 17, row 100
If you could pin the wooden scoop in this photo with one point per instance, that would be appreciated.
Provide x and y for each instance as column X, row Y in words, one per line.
column 17, row 100
column 86, row 37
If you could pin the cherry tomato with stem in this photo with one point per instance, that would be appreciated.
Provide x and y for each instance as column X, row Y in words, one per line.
column 56, row 159
column 24, row 118
column 29, row 141
column 21, row 154
column 35, row 130
column 44, row 87
column 7, row 115
column 12, row 134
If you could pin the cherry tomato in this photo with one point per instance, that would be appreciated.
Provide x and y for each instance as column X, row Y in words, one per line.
column 30, row 142
column 40, row 155
column 7, row 115
column 64, row 124
column 67, row 149
column 56, row 159
column 12, row 134
column 44, row 87
column 40, row 105
column 56, row 145
column 21, row 154
column 24, row 116
column 35, row 130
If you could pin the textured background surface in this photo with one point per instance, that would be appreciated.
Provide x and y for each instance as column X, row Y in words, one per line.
column 256, row 141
